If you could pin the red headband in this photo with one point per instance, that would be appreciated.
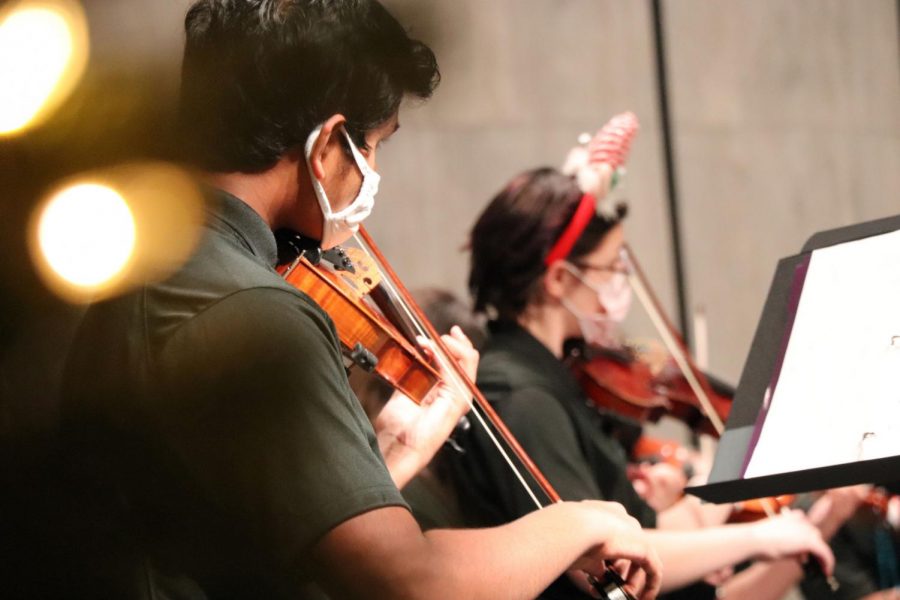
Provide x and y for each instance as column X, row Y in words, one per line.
column 587, row 208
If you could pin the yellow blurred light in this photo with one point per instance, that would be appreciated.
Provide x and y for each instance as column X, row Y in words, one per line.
column 43, row 52
column 86, row 233
column 108, row 231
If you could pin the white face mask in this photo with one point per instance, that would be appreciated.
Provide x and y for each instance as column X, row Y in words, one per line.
column 596, row 329
column 615, row 297
column 337, row 227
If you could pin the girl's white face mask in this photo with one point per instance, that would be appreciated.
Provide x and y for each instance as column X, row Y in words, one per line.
column 615, row 297
column 337, row 227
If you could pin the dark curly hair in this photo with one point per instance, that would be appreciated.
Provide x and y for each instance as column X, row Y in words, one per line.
column 259, row 75
column 514, row 234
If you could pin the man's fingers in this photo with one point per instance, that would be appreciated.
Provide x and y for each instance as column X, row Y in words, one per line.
column 621, row 566
column 584, row 582
column 635, row 579
column 464, row 353
column 458, row 349
column 457, row 332
column 426, row 345
column 641, row 572
column 652, row 584
column 651, row 568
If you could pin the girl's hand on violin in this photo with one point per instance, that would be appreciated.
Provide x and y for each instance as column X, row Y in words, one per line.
column 792, row 534
column 623, row 542
column 835, row 506
column 660, row 485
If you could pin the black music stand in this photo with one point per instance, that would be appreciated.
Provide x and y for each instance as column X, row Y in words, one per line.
column 776, row 373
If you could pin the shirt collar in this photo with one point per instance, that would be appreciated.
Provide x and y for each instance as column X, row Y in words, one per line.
column 530, row 345
column 246, row 225
column 540, row 363
column 509, row 334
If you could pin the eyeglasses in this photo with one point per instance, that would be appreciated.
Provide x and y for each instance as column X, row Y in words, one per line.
column 620, row 265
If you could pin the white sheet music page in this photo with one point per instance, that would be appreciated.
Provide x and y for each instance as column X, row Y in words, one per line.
column 837, row 399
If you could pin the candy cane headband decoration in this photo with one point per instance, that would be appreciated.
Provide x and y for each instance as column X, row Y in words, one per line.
column 597, row 167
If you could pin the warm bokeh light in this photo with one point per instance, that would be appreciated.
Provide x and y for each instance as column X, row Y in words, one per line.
column 86, row 233
column 43, row 52
column 105, row 232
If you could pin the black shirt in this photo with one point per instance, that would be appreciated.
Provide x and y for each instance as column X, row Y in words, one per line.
column 212, row 434
column 544, row 408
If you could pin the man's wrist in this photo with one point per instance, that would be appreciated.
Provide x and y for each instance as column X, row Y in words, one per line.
column 403, row 467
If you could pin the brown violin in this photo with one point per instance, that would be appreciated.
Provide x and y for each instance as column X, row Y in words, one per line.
column 623, row 382
column 614, row 380
column 340, row 281
column 684, row 403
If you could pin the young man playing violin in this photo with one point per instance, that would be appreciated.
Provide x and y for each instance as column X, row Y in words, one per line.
column 540, row 294
column 216, row 448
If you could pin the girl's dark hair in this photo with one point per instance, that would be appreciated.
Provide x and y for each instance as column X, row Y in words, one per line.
column 516, row 232
column 259, row 75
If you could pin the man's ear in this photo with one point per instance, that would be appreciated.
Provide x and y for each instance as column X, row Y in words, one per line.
column 556, row 280
column 326, row 143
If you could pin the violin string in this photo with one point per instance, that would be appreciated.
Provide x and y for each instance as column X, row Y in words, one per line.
column 449, row 367
column 673, row 347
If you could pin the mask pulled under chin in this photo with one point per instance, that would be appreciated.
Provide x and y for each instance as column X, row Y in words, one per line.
column 338, row 227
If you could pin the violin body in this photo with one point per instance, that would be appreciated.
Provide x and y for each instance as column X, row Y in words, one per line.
column 367, row 338
column 616, row 382
column 625, row 383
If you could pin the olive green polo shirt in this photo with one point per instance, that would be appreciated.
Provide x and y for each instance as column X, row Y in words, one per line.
column 212, row 433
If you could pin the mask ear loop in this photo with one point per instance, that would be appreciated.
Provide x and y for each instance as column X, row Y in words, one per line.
column 577, row 273
column 370, row 179
column 361, row 163
column 321, row 196
column 596, row 318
